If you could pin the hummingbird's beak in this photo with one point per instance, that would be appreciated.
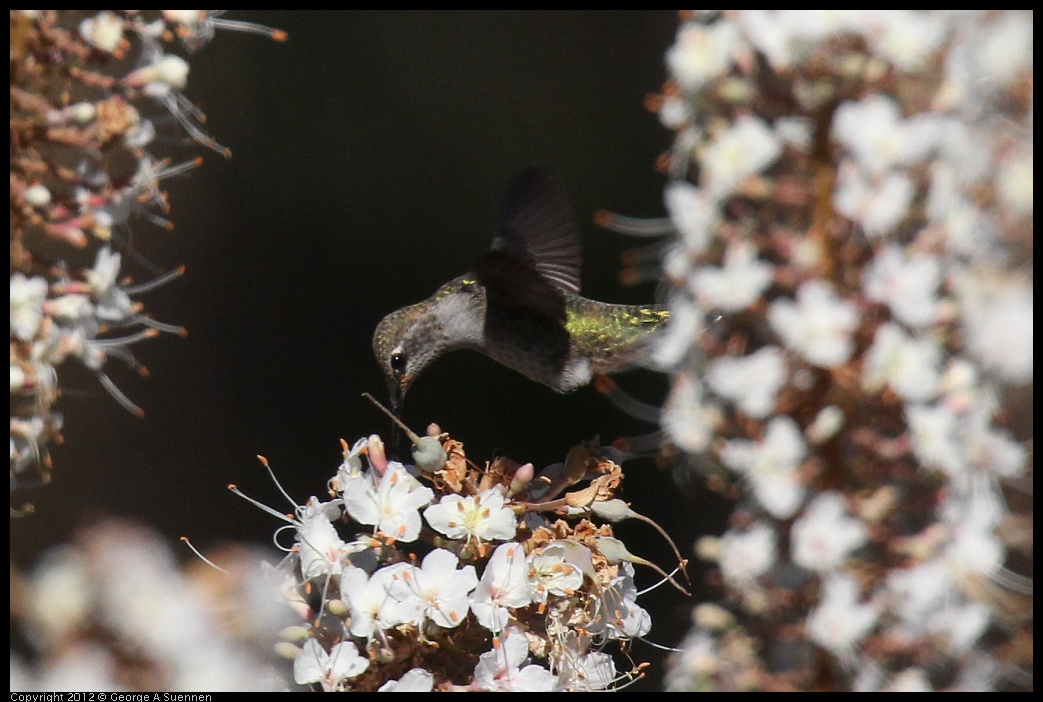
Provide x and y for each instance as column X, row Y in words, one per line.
column 396, row 394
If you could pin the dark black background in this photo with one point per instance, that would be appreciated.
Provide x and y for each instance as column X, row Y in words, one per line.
column 370, row 153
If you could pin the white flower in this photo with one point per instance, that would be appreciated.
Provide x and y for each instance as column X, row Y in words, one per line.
column 968, row 230
column 1014, row 181
column 961, row 624
column 169, row 72
column 112, row 303
column 371, row 602
column 676, row 264
column 966, row 153
column 482, row 517
column 504, row 585
column 906, row 38
column 557, row 569
column 927, row 599
column 1005, row 50
column 188, row 18
column 73, row 309
column 686, row 321
column 586, row 672
column 980, row 673
column 824, row 535
column 686, row 419
column 752, row 382
column 76, row 341
column 25, row 441
column 840, row 621
column 908, row 285
column 818, row 326
column 392, row 505
column 825, row 425
column 78, row 113
column 786, row 36
column 441, row 587
column 771, row 465
column 502, row 669
column 415, row 680
column 748, row 147
column 103, row 31
column 877, row 137
column 321, row 550
column 693, row 213
column 908, row 365
column 330, row 669
column 597, row 670
column 974, row 548
column 796, row 131
column 37, row 195
column 878, row 203
column 992, row 452
column 816, row 25
column 961, row 385
column 997, row 322
column 673, row 112
column 61, row 598
column 351, row 466
column 699, row 658
column 618, row 614
column 933, row 432
column 769, row 35
column 701, row 53
column 746, row 555
column 909, row 680
column 88, row 664
column 735, row 286
column 27, row 296
column 913, row 594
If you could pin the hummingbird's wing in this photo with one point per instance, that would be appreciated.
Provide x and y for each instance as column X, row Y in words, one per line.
column 535, row 259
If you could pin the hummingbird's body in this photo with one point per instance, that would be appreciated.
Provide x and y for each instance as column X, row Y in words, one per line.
column 521, row 307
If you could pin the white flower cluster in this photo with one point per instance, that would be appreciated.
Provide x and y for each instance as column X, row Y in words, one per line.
column 84, row 87
column 457, row 579
column 114, row 612
column 851, row 200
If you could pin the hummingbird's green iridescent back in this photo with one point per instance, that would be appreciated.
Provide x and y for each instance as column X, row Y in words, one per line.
column 521, row 306
column 611, row 334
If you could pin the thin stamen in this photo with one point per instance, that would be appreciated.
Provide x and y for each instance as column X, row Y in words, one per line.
column 163, row 326
column 184, row 540
column 635, row 226
column 125, row 340
column 632, row 406
column 271, row 474
column 118, row 395
column 260, row 505
column 155, row 282
column 248, row 27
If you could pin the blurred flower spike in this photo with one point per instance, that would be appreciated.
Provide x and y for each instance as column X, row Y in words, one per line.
column 87, row 91
column 114, row 610
column 464, row 579
column 850, row 199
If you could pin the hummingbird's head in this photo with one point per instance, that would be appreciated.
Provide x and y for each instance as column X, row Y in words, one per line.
column 405, row 342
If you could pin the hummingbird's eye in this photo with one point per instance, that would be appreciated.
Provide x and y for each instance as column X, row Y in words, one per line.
column 398, row 362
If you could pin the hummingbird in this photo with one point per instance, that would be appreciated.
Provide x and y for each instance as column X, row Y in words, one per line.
column 520, row 306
